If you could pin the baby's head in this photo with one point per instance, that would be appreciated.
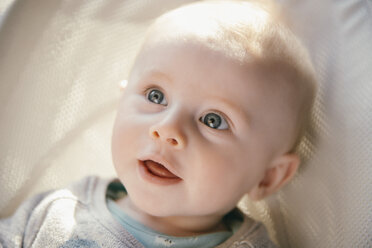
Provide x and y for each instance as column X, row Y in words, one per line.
column 215, row 104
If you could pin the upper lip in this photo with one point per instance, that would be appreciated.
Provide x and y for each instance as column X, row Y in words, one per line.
column 161, row 160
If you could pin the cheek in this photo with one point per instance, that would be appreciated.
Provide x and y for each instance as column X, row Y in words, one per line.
column 129, row 120
column 218, row 178
column 121, row 132
column 235, row 166
column 125, row 139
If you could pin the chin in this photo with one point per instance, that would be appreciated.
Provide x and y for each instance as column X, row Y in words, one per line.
column 153, row 208
column 165, row 211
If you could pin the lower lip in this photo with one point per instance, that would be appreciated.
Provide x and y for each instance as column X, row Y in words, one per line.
column 148, row 176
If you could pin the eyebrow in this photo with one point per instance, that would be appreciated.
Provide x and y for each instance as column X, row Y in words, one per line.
column 159, row 75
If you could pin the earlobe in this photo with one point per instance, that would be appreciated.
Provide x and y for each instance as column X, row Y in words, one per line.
column 123, row 84
column 276, row 176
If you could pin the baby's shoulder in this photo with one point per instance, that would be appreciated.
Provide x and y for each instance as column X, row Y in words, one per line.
column 83, row 192
column 55, row 215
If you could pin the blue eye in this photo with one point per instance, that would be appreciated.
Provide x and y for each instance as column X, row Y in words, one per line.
column 156, row 96
column 214, row 121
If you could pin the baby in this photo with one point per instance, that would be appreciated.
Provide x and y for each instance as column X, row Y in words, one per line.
column 215, row 106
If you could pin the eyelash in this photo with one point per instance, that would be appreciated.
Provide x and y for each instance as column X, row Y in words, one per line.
column 225, row 120
column 146, row 89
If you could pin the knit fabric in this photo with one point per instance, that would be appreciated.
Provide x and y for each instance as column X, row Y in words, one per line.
column 77, row 216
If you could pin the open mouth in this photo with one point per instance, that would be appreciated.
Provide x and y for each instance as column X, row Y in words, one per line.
column 157, row 173
column 158, row 169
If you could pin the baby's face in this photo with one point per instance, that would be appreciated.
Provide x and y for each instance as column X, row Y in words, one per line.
column 194, row 131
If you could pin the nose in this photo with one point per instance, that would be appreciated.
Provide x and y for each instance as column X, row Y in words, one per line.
column 170, row 130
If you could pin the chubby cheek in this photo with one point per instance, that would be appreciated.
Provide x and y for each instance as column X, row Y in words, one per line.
column 216, row 195
column 217, row 181
column 125, row 139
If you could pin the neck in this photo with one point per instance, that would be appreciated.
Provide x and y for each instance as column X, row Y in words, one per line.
column 180, row 226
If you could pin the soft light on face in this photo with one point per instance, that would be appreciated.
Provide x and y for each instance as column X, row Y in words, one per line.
column 202, row 114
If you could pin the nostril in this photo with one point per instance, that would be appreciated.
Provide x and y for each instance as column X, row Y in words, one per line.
column 155, row 134
column 177, row 141
column 172, row 141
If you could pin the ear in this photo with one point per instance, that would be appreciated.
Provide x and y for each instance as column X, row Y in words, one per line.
column 281, row 171
column 123, row 84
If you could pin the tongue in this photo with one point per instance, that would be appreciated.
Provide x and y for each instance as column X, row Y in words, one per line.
column 159, row 170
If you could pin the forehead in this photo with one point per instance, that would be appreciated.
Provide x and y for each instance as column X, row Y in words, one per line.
column 191, row 61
